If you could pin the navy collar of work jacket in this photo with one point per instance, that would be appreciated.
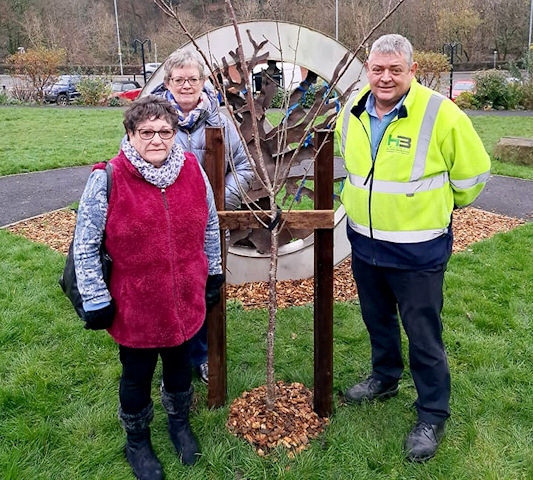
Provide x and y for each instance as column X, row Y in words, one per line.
column 410, row 256
column 361, row 105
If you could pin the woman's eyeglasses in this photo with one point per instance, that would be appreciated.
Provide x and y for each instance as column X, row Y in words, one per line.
column 193, row 81
column 165, row 134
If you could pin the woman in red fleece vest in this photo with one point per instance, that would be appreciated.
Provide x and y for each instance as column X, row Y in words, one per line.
column 161, row 231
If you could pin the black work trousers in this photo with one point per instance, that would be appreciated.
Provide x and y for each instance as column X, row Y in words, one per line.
column 417, row 296
column 138, row 367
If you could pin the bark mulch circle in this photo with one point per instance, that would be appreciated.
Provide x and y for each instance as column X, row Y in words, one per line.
column 291, row 423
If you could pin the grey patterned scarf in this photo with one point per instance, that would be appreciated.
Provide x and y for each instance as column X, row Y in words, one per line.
column 187, row 122
column 161, row 177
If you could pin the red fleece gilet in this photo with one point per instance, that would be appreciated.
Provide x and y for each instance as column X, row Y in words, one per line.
column 156, row 240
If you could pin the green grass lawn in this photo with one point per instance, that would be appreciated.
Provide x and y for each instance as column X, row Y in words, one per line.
column 59, row 382
column 58, row 394
column 50, row 137
column 492, row 127
column 41, row 138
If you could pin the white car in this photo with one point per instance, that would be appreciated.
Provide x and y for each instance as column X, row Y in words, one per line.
column 150, row 68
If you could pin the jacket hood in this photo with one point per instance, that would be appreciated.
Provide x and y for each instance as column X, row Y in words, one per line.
column 211, row 106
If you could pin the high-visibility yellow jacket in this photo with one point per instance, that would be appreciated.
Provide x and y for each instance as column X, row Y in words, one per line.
column 429, row 160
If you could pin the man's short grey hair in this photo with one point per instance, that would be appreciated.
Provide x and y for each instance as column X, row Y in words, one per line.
column 184, row 58
column 394, row 44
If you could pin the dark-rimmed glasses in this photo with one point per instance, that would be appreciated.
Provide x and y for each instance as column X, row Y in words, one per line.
column 179, row 81
column 164, row 134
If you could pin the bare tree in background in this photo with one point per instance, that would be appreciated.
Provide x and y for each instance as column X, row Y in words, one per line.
column 458, row 23
column 84, row 28
column 33, row 70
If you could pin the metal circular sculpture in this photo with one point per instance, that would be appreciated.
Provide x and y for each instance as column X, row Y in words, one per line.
column 327, row 63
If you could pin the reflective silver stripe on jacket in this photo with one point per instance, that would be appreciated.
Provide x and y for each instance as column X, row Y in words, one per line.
column 410, row 188
column 424, row 136
column 414, row 236
column 345, row 122
column 470, row 182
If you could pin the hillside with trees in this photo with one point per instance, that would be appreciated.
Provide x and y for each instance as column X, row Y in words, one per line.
column 87, row 29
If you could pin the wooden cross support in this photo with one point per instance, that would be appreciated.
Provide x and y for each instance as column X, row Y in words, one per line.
column 305, row 219
column 322, row 221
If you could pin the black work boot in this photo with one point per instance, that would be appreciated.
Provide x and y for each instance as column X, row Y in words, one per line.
column 371, row 389
column 139, row 452
column 423, row 440
column 177, row 406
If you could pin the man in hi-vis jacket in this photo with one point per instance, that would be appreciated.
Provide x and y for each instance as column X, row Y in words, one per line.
column 412, row 156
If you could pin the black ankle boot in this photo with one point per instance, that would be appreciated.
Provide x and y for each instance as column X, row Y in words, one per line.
column 141, row 456
column 177, row 406
column 139, row 452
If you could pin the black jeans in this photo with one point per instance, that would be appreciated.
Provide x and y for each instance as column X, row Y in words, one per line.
column 417, row 296
column 138, row 367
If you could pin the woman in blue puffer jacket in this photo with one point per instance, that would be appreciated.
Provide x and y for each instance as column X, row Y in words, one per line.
column 184, row 86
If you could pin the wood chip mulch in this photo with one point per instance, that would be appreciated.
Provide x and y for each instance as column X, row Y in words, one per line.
column 470, row 225
column 292, row 422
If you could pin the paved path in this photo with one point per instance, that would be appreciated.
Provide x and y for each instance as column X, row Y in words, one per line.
column 508, row 196
column 30, row 194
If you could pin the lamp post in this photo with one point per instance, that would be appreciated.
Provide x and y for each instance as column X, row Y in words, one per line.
column 118, row 40
column 494, row 62
column 337, row 19
column 451, row 49
column 142, row 43
column 529, row 44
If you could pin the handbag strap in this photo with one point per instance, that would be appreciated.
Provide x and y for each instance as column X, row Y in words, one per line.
column 109, row 176
column 109, row 173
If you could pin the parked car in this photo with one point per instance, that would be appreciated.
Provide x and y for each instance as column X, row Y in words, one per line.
column 63, row 90
column 463, row 86
column 150, row 68
column 127, row 89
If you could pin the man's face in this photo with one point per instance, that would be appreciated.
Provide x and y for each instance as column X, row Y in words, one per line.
column 389, row 77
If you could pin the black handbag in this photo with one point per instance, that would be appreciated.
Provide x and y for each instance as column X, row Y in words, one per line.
column 68, row 280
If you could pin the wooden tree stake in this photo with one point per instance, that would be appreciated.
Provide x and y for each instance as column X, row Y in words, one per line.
column 216, row 319
column 323, row 300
